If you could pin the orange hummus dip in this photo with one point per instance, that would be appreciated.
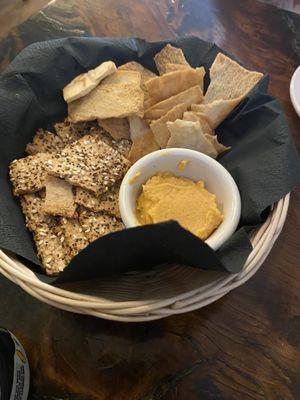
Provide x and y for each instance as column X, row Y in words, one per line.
column 166, row 197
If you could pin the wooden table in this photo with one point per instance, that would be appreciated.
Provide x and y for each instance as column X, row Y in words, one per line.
column 245, row 346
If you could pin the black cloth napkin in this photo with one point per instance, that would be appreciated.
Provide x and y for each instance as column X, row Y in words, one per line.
column 263, row 160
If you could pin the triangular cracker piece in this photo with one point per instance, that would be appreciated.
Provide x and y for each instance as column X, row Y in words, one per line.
column 118, row 128
column 189, row 135
column 169, row 54
column 217, row 111
column 170, row 84
column 146, row 74
column 59, row 199
column 138, row 127
column 171, row 67
column 213, row 139
column 115, row 100
column 141, row 146
column 159, row 126
column 123, row 77
column 85, row 83
column 190, row 96
column 194, row 116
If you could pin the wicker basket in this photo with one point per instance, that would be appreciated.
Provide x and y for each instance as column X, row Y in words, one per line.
column 146, row 296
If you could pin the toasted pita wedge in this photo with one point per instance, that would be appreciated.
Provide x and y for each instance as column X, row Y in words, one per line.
column 146, row 74
column 189, row 135
column 141, row 146
column 59, row 198
column 217, row 111
column 170, row 84
column 169, row 54
column 213, row 139
column 123, row 77
column 229, row 80
column 85, row 83
column 170, row 67
column 118, row 128
column 195, row 116
column 115, row 100
column 187, row 97
column 159, row 126
column 138, row 127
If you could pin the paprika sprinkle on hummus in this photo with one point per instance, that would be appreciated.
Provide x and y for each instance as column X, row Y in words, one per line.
column 167, row 197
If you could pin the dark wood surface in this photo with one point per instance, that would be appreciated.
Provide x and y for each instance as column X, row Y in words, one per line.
column 246, row 345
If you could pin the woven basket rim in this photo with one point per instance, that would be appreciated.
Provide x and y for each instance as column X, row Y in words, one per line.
column 134, row 311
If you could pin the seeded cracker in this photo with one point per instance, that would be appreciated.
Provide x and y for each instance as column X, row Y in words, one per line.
column 49, row 248
column 89, row 163
column 59, row 198
column 72, row 236
column 69, row 132
column 109, row 202
column 28, row 174
column 45, row 142
column 95, row 225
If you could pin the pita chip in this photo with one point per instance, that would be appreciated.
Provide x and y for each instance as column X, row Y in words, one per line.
column 116, row 100
column 118, row 128
column 169, row 54
column 170, row 67
column 189, row 135
column 196, row 116
column 85, row 83
column 123, row 77
column 213, row 139
column 159, row 126
column 141, row 146
column 229, row 80
column 59, row 199
column 170, row 84
column 190, row 96
column 146, row 74
column 138, row 127
column 217, row 111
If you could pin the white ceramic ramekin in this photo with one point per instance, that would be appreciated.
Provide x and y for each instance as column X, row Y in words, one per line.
column 200, row 167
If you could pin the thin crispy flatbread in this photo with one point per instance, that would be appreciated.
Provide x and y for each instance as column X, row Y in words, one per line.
column 217, row 111
column 138, row 127
column 118, row 128
column 169, row 54
column 146, row 74
column 189, row 135
column 85, row 83
column 141, row 146
column 170, row 84
column 190, row 96
column 117, row 100
column 171, row 67
column 196, row 116
column 213, row 139
column 123, row 77
column 229, row 80
column 159, row 126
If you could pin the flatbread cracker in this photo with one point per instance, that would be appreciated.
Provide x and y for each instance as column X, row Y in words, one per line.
column 71, row 236
column 195, row 116
column 159, row 126
column 171, row 67
column 109, row 202
column 170, row 84
column 189, row 135
column 190, row 96
column 69, row 132
column 44, row 142
column 28, row 174
column 138, row 127
column 49, row 248
column 217, row 111
column 123, row 77
column 85, row 83
column 59, row 199
column 169, row 54
column 116, row 100
column 141, row 146
column 89, row 163
column 146, row 74
column 213, row 139
column 229, row 80
column 95, row 225
column 118, row 128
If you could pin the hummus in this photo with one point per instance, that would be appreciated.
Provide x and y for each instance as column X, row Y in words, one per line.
column 166, row 197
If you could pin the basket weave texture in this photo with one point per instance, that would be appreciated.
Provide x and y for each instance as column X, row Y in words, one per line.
column 150, row 295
